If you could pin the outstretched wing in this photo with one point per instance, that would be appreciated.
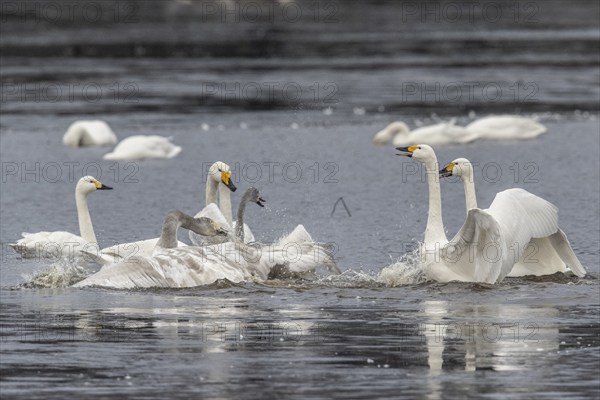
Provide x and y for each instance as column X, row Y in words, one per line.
column 476, row 252
column 496, row 238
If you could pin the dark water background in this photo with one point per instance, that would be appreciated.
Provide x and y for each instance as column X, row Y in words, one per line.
column 297, row 92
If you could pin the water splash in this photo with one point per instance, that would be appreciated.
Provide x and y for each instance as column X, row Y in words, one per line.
column 58, row 275
column 405, row 271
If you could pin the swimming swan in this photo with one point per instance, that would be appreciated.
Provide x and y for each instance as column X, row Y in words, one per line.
column 89, row 133
column 61, row 242
column 293, row 245
column 140, row 147
column 548, row 255
column 439, row 134
column 490, row 241
column 168, row 239
column 218, row 181
column 138, row 270
column 503, row 127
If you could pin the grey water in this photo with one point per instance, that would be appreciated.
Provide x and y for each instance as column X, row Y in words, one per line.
column 292, row 107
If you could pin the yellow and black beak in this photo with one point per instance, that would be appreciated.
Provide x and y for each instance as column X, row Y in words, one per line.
column 406, row 151
column 446, row 171
column 226, row 179
column 260, row 201
column 101, row 186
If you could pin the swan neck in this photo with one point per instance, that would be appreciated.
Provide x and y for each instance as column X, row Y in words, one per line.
column 434, row 232
column 168, row 235
column 211, row 191
column 86, row 230
column 470, row 196
column 239, row 225
column 225, row 203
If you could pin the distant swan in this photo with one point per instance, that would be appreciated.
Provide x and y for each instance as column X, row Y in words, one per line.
column 140, row 147
column 551, row 254
column 504, row 127
column 89, row 133
column 219, row 182
column 43, row 243
column 490, row 241
column 443, row 133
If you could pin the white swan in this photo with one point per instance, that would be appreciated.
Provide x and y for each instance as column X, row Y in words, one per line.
column 218, row 181
column 547, row 256
column 89, row 133
column 439, row 134
column 490, row 241
column 64, row 243
column 140, row 147
column 503, row 127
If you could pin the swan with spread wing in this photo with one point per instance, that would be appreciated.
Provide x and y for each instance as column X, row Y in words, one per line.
column 491, row 241
column 548, row 255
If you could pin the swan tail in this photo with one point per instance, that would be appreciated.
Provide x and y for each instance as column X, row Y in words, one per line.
column 565, row 251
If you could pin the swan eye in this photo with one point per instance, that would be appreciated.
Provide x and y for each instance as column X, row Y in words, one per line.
column 419, row 147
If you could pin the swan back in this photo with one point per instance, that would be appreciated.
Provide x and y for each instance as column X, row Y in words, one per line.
column 504, row 127
column 89, row 133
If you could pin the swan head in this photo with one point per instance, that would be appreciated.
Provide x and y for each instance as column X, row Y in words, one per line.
column 459, row 167
column 221, row 173
column 421, row 152
column 89, row 184
column 252, row 194
column 388, row 133
column 207, row 227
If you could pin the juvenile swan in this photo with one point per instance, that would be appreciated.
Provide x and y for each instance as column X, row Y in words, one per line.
column 549, row 254
column 294, row 255
column 40, row 243
column 490, row 241
column 173, row 220
column 153, row 267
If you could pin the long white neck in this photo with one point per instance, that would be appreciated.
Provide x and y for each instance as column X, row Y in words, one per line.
column 434, row 232
column 211, row 191
column 225, row 203
column 470, row 197
column 86, row 230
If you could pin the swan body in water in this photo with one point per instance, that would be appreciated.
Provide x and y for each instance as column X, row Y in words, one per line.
column 490, row 241
column 505, row 127
column 140, row 270
column 89, row 133
column 41, row 244
column 551, row 254
column 219, row 186
column 443, row 133
column 141, row 147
